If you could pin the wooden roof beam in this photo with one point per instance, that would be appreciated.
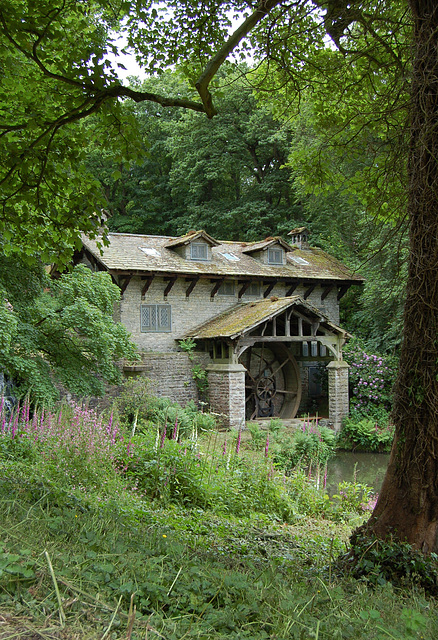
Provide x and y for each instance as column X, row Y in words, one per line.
column 269, row 288
column 124, row 285
column 193, row 282
column 343, row 290
column 146, row 286
column 245, row 286
column 292, row 286
column 216, row 287
column 309, row 291
column 326, row 291
column 170, row 283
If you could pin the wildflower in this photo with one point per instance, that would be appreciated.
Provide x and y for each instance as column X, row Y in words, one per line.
column 163, row 436
column 267, row 445
column 157, row 438
column 175, row 429
column 164, row 535
column 239, row 438
column 325, row 476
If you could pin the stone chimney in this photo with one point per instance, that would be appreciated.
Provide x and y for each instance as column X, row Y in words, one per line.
column 299, row 238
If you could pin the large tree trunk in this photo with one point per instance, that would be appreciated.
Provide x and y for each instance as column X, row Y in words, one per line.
column 408, row 504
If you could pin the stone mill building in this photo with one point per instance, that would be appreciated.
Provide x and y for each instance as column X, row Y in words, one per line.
column 263, row 316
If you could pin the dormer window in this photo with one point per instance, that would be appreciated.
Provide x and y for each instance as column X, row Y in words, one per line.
column 199, row 251
column 275, row 255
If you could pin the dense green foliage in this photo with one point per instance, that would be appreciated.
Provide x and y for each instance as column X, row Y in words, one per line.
column 365, row 433
column 95, row 522
column 59, row 331
column 226, row 175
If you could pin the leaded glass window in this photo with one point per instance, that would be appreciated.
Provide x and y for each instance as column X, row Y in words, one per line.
column 155, row 318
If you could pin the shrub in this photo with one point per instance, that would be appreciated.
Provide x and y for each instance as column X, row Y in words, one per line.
column 134, row 401
column 309, row 446
column 365, row 434
column 352, row 497
column 136, row 405
column 379, row 561
column 164, row 410
column 258, row 436
column 371, row 378
column 168, row 471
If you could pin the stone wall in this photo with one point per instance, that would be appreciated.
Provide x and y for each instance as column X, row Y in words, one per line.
column 170, row 374
column 227, row 393
column 338, row 392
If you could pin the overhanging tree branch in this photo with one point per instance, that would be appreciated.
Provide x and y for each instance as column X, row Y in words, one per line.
column 215, row 63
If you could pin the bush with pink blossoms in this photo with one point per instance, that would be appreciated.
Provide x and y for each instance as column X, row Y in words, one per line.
column 371, row 379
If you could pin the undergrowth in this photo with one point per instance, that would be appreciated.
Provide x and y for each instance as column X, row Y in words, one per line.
column 108, row 535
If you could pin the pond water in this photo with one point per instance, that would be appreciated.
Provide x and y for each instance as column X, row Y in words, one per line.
column 367, row 468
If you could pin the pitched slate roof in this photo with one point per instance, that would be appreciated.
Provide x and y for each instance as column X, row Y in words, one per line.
column 246, row 316
column 141, row 254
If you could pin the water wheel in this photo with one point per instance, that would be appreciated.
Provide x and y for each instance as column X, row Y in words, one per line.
column 272, row 382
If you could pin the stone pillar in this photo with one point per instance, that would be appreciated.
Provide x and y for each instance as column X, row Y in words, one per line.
column 226, row 392
column 338, row 391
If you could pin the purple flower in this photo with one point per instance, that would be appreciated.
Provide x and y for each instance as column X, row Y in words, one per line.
column 239, row 438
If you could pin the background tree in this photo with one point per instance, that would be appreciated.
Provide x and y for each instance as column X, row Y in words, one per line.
column 55, row 72
column 408, row 503
column 226, row 174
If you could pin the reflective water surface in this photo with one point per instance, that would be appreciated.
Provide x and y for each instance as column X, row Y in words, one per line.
column 367, row 468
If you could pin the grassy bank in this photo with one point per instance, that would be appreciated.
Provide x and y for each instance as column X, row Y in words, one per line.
column 109, row 535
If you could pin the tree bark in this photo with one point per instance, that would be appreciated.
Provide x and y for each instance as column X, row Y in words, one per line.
column 407, row 508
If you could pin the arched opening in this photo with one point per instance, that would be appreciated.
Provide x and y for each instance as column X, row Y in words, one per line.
column 272, row 381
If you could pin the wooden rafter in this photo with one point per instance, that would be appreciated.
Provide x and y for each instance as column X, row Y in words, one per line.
column 309, row 291
column 170, row 283
column 193, row 282
column 292, row 287
column 245, row 286
column 146, row 286
column 216, row 287
column 124, row 284
column 342, row 291
column 326, row 291
column 269, row 288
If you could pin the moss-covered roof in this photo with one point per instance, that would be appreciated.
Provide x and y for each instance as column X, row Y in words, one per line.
column 246, row 316
column 155, row 254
